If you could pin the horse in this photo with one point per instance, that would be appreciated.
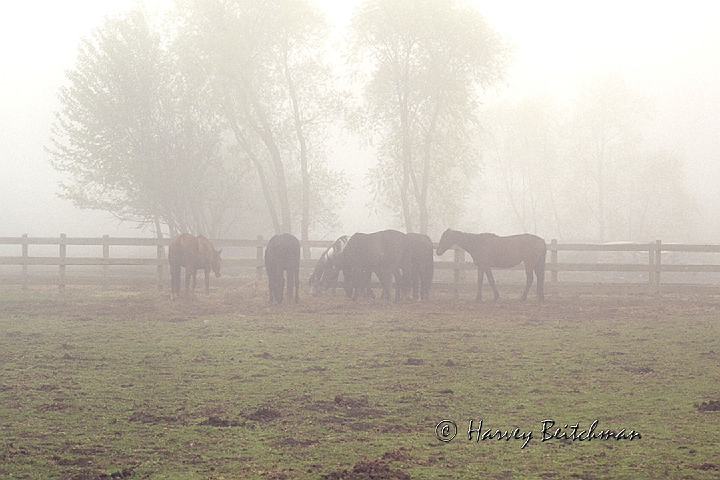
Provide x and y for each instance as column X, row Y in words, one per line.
column 380, row 252
column 283, row 254
column 419, row 257
column 326, row 272
column 490, row 250
column 192, row 253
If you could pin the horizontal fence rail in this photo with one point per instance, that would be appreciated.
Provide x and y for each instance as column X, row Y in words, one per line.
column 636, row 267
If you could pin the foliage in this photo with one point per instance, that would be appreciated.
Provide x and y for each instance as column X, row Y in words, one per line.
column 165, row 126
column 137, row 136
column 265, row 64
column 426, row 61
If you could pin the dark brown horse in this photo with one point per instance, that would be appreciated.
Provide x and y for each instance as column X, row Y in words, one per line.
column 193, row 254
column 419, row 257
column 489, row 250
column 379, row 252
column 326, row 271
column 283, row 254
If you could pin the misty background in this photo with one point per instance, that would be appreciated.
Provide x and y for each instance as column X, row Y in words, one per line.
column 663, row 59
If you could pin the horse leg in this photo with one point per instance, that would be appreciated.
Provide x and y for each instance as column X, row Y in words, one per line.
column 175, row 282
column 400, row 288
column 367, row 290
column 529, row 281
column 297, row 284
column 194, row 280
column 357, row 283
column 281, row 285
column 188, row 275
column 481, row 272
column 386, row 283
column 415, row 275
column 207, row 281
column 491, row 281
column 291, row 283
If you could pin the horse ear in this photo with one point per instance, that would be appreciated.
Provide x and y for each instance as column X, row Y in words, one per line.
column 219, row 251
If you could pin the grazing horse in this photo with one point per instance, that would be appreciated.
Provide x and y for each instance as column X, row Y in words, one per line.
column 379, row 252
column 419, row 257
column 489, row 250
column 283, row 254
column 326, row 271
column 193, row 254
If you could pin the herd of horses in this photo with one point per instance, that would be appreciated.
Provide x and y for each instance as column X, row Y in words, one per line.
column 406, row 258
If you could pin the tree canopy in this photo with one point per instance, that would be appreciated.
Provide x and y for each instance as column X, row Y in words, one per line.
column 137, row 136
column 426, row 63
column 162, row 127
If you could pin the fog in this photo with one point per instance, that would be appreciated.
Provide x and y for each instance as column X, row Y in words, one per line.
column 668, row 53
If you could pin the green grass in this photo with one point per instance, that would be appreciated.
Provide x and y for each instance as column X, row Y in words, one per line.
column 228, row 387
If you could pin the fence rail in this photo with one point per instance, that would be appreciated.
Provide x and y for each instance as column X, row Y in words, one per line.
column 649, row 263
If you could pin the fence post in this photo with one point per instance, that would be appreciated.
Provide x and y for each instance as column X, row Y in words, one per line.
column 106, row 261
column 161, row 265
column 259, row 258
column 24, row 261
column 63, row 255
column 658, row 265
column 651, row 267
column 553, row 262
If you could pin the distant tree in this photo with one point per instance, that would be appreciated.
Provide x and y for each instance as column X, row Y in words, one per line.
column 137, row 136
column 265, row 63
column 661, row 205
column 606, row 135
column 586, row 174
column 426, row 61
column 523, row 147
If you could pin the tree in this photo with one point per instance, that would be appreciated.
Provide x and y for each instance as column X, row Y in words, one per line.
column 524, row 145
column 586, row 174
column 264, row 62
column 136, row 135
column 607, row 127
column 426, row 59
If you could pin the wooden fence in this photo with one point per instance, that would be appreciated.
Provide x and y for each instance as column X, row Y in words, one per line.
column 629, row 267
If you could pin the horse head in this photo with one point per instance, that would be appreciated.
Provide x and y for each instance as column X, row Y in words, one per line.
column 446, row 241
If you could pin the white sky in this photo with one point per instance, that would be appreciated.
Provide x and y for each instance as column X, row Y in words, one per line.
column 668, row 50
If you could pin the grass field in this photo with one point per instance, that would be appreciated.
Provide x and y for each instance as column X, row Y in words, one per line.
column 128, row 384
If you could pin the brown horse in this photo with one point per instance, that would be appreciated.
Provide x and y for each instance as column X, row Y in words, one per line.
column 419, row 257
column 326, row 271
column 489, row 250
column 380, row 252
column 283, row 254
column 193, row 254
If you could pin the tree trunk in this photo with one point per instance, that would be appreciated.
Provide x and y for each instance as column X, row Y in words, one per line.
column 305, row 175
column 406, row 147
column 261, row 174
column 264, row 130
